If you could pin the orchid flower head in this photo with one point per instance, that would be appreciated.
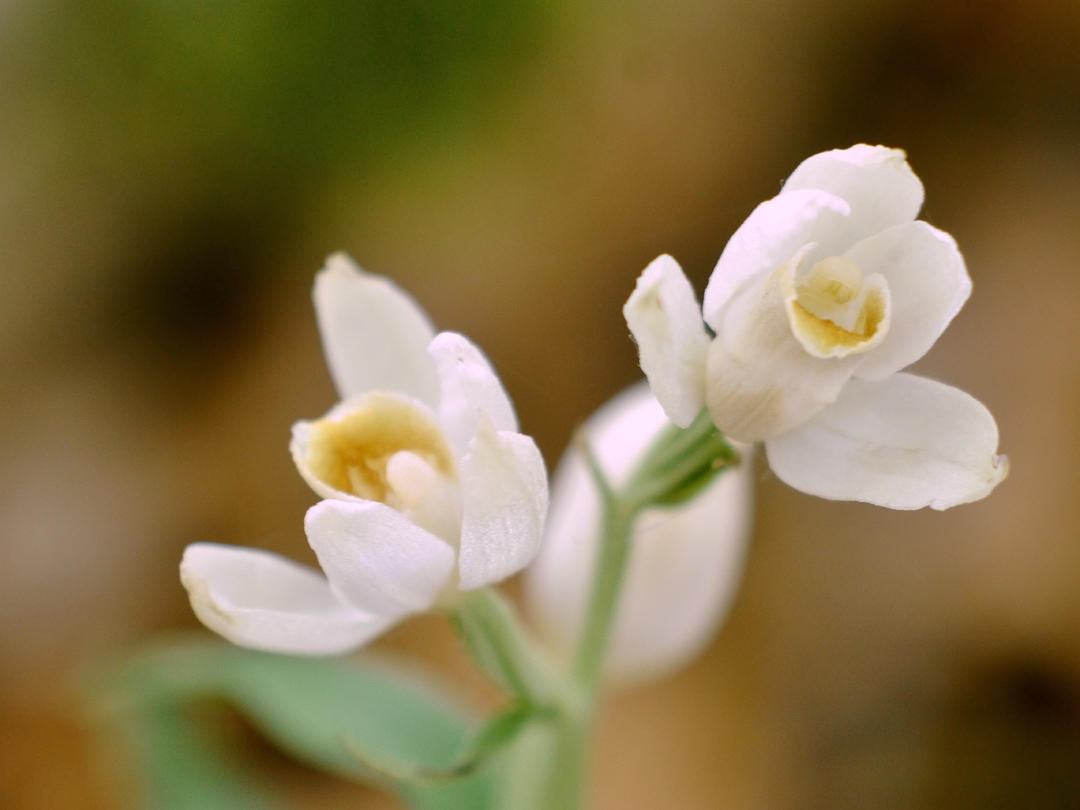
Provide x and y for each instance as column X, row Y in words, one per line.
column 820, row 299
column 427, row 486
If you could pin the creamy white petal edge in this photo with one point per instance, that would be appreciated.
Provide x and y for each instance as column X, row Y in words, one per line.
column 928, row 284
column 665, row 320
column 504, row 504
column 905, row 442
column 686, row 563
column 875, row 181
column 376, row 559
column 262, row 600
column 374, row 335
column 469, row 386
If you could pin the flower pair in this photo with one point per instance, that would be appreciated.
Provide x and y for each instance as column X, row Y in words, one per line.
column 818, row 301
column 428, row 487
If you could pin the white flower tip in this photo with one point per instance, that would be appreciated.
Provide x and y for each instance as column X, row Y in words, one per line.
column 864, row 155
column 341, row 265
column 665, row 320
column 262, row 600
column 996, row 472
column 652, row 275
column 468, row 386
column 374, row 334
column 193, row 578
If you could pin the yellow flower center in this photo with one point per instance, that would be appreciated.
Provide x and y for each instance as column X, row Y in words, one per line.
column 836, row 312
column 352, row 454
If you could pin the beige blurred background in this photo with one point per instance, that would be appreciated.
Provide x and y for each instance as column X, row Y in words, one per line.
column 172, row 174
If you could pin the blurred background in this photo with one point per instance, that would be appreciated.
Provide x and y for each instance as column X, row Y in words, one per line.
column 173, row 172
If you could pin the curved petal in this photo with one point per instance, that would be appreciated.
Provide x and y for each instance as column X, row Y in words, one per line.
column 468, row 385
column 876, row 182
column 769, row 236
column 684, row 568
column 376, row 559
column 504, row 503
column 262, row 600
column 928, row 284
column 665, row 320
column 374, row 335
column 759, row 380
column 905, row 443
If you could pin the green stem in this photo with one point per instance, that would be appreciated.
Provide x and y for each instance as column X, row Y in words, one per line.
column 614, row 554
column 567, row 787
column 505, row 652
column 678, row 466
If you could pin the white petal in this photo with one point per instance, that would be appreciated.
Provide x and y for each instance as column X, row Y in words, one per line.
column 261, row 600
column 769, row 236
column 928, row 284
column 905, row 442
column 684, row 568
column 468, row 385
column 759, row 380
column 876, row 182
column 504, row 503
column 664, row 317
column 377, row 560
column 375, row 335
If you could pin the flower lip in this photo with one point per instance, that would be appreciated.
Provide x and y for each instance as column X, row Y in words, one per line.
column 833, row 310
column 352, row 452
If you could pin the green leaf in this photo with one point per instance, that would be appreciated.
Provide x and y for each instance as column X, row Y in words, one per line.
column 309, row 706
column 184, row 766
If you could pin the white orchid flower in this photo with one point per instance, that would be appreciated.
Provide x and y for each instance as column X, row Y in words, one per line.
column 818, row 301
column 429, row 489
column 685, row 562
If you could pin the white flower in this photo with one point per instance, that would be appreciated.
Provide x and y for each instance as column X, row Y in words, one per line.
column 818, row 301
column 428, row 486
column 685, row 561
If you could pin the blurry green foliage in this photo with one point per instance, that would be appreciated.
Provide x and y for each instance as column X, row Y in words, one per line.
column 290, row 87
column 317, row 710
column 209, row 134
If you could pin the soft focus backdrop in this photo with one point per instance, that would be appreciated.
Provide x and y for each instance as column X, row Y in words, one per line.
column 173, row 172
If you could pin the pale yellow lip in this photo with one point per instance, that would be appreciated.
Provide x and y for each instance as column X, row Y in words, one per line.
column 834, row 311
column 350, row 453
